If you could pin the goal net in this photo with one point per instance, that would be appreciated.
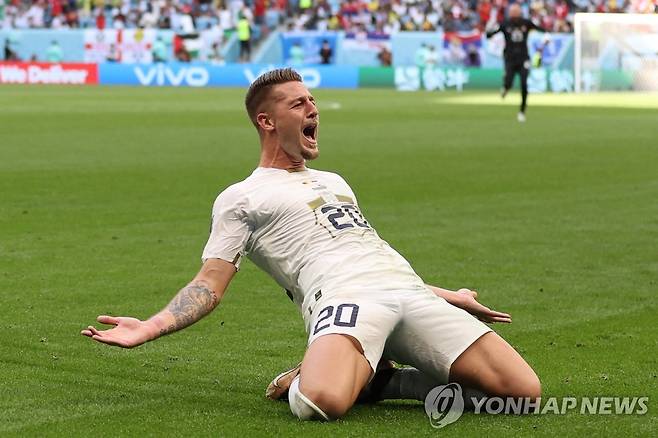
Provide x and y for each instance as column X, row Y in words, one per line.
column 616, row 52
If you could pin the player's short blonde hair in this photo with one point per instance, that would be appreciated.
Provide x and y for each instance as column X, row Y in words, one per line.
column 260, row 89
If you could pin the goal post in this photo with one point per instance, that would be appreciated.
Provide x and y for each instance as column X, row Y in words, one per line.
column 615, row 52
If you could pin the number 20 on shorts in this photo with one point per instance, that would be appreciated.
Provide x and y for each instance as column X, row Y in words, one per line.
column 345, row 316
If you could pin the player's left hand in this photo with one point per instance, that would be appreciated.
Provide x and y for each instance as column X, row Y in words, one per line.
column 467, row 299
column 126, row 333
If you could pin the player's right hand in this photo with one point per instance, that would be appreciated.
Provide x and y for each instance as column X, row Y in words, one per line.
column 467, row 300
column 126, row 333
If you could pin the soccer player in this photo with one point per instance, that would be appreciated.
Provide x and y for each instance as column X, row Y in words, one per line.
column 516, row 29
column 361, row 301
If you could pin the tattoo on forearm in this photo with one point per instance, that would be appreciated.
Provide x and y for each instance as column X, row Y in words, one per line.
column 164, row 331
column 191, row 304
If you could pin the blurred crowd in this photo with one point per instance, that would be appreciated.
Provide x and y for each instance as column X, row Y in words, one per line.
column 373, row 16
column 182, row 16
column 390, row 16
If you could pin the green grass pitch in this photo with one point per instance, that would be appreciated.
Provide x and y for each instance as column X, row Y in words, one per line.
column 105, row 198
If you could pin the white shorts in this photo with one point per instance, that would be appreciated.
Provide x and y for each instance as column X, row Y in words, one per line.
column 412, row 327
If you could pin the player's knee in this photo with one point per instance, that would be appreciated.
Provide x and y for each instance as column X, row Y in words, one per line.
column 331, row 402
column 531, row 387
column 302, row 406
column 522, row 385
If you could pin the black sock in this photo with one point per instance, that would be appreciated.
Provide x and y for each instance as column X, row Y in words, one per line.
column 397, row 384
column 407, row 384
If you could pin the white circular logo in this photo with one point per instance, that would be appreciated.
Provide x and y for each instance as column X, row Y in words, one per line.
column 444, row 405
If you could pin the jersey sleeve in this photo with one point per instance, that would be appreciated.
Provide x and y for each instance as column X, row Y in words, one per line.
column 532, row 25
column 351, row 194
column 493, row 30
column 229, row 230
column 346, row 189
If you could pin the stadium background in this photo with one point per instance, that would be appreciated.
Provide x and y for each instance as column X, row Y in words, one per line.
column 372, row 43
column 105, row 197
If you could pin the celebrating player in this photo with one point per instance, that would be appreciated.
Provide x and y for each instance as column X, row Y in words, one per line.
column 516, row 29
column 360, row 300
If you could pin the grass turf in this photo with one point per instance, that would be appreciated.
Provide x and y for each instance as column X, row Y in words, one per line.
column 105, row 205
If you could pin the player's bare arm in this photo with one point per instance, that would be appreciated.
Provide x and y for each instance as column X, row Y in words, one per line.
column 466, row 299
column 191, row 303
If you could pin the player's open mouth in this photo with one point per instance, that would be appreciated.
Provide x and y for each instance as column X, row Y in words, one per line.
column 310, row 132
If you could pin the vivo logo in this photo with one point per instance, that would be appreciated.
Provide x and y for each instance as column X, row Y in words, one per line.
column 163, row 75
column 310, row 76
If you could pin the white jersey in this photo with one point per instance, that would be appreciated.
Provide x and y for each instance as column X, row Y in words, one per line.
column 306, row 231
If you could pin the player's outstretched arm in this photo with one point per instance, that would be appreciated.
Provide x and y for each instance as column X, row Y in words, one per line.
column 539, row 28
column 467, row 299
column 192, row 303
column 492, row 29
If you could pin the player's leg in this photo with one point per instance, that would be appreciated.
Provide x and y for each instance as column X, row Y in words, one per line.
column 448, row 344
column 346, row 340
column 491, row 365
column 388, row 383
column 392, row 383
column 523, row 73
column 508, row 79
column 333, row 373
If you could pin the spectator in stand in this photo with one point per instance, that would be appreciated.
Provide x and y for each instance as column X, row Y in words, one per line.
column 59, row 22
column 113, row 54
column 455, row 54
column 159, row 50
column 561, row 17
column 420, row 56
column 35, row 14
column 326, row 53
column 215, row 55
column 334, row 23
column 500, row 6
column 54, row 53
column 225, row 19
column 260, row 7
column 9, row 53
column 376, row 16
column 244, row 35
column 100, row 19
column 118, row 19
column 385, row 57
column 71, row 15
column 149, row 19
column 296, row 55
column 472, row 56
column 643, row 6
column 484, row 10
column 182, row 55
column 431, row 58
column 305, row 5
